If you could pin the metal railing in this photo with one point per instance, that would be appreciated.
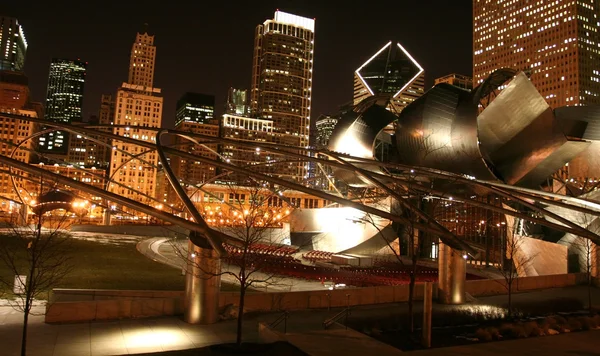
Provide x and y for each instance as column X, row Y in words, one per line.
column 343, row 314
column 283, row 317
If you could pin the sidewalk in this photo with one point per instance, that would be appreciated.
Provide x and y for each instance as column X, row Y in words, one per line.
column 171, row 333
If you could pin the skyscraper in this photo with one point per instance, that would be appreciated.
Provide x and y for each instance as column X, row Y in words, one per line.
column 195, row 107
column 237, row 102
column 282, row 81
column 556, row 41
column 64, row 101
column 137, row 105
column 391, row 73
column 13, row 45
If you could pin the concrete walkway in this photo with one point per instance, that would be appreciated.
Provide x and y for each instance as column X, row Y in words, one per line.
column 171, row 333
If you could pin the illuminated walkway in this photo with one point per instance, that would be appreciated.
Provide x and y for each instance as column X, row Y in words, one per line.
column 162, row 334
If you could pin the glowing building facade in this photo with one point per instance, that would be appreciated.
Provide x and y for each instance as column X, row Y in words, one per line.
column 138, row 104
column 195, row 107
column 391, row 73
column 556, row 42
column 13, row 45
column 282, row 82
column 64, row 101
column 237, row 102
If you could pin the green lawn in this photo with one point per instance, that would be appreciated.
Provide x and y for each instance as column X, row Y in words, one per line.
column 114, row 266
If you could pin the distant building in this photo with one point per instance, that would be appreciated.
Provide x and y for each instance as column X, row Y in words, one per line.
column 192, row 173
column 138, row 105
column 458, row 80
column 237, row 102
column 64, row 101
column 391, row 73
column 282, row 83
column 13, row 45
column 324, row 125
column 195, row 107
column 14, row 89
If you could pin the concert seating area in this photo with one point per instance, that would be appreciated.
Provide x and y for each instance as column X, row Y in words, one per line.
column 315, row 255
column 279, row 260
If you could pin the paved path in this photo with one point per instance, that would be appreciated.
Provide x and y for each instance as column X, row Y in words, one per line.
column 171, row 333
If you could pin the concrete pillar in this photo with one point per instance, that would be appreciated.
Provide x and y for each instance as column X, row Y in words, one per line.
column 106, row 217
column 23, row 214
column 427, row 310
column 202, row 285
column 451, row 275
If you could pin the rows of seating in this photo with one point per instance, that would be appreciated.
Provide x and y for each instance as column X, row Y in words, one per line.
column 269, row 260
column 316, row 255
column 263, row 249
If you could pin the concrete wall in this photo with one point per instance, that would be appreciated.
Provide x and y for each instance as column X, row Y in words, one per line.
column 69, row 305
column 139, row 230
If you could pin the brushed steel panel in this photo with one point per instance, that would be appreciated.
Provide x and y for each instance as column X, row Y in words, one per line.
column 516, row 107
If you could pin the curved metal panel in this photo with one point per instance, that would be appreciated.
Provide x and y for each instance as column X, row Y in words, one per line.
column 438, row 130
column 355, row 134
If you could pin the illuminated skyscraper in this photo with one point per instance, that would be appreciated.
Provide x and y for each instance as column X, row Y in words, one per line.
column 237, row 102
column 282, row 81
column 556, row 41
column 64, row 101
column 393, row 73
column 13, row 45
column 194, row 107
column 137, row 105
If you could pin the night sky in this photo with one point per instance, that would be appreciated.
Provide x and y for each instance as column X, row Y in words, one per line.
column 206, row 46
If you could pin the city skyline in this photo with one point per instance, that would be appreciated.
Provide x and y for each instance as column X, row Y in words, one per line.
column 183, row 65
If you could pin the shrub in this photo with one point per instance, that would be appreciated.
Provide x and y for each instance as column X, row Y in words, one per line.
column 483, row 335
column 574, row 324
column 513, row 331
column 587, row 323
column 494, row 333
column 532, row 328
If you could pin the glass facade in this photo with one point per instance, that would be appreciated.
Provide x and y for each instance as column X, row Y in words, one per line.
column 237, row 102
column 194, row 107
column 64, row 101
column 391, row 72
column 13, row 45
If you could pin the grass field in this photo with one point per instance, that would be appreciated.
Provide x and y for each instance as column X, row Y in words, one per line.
column 114, row 265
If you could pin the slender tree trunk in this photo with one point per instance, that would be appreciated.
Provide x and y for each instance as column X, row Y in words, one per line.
column 589, row 290
column 25, row 321
column 240, row 317
column 509, row 299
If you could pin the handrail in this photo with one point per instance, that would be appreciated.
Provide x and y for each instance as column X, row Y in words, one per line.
column 344, row 313
column 282, row 317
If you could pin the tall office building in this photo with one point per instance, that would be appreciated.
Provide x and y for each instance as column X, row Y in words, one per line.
column 195, row 107
column 557, row 42
column 237, row 102
column 64, row 101
column 13, row 45
column 282, row 81
column 137, row 105
column 391, row 73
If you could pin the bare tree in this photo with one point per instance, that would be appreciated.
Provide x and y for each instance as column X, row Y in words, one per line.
column 514, row 261
column 254, row 217
column 40, row 252
column 585, row 249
